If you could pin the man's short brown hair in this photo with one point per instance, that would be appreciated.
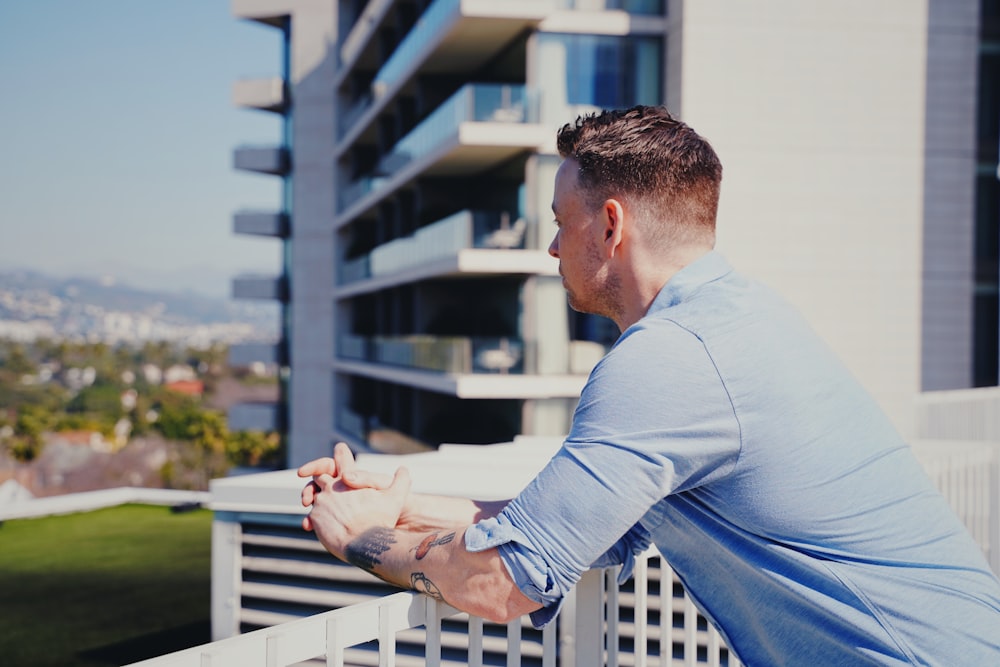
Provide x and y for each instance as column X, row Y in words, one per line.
column 649, row 158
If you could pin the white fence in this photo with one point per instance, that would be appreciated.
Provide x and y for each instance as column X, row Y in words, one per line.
column 963, row 414
column 968, row 476
column 593, row 632
column 87, row 501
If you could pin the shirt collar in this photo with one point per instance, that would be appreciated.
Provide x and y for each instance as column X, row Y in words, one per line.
column 705, row 269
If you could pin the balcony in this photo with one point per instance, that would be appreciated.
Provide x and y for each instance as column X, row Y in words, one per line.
column 262, row 159
column 273, row 288
column 254, row 417
column 467, row 242
column 479, row 126
column 264, row 94
column 646, row 7
column 451, row 37
column 600, row 624
column 261, row 223
column 461, row 366
column 440, row 354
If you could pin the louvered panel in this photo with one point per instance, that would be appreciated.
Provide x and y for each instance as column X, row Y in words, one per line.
column 287, row 574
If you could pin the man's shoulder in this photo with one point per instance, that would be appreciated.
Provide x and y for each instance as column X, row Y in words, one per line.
column 651, row 350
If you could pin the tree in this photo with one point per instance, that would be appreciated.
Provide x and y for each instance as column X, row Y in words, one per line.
column 16, row 361
column 27, row 442
column 253, row 448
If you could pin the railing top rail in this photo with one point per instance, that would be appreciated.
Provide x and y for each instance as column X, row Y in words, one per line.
column 311, row 637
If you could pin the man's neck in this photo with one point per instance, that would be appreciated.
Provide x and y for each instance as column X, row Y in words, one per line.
column 649, row 278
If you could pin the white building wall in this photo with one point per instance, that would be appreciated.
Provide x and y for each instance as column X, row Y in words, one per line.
column 313, row 65
column 817, row 112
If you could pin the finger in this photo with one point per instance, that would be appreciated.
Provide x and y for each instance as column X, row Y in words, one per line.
column 323, row 482
column 344, row 459
column 321, row 466
column 401, row 483
column 307, row 523
column 309, row 494
column 364, row 479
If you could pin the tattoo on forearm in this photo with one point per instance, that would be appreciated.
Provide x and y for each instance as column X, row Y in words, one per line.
column 364, row 552
column 422, row 584
column 432, row 540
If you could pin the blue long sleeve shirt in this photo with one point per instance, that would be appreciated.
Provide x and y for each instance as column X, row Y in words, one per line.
column 722, row 429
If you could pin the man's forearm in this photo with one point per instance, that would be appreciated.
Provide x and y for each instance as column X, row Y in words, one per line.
column 437, row 564
column 429, row 513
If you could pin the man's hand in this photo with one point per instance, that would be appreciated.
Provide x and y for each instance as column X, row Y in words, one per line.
column 340, row 514
column 421, row 513
column 342, row 465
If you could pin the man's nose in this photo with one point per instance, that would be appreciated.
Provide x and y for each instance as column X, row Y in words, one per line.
column 554, row 246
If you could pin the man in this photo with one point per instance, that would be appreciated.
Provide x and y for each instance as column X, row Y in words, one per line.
column 718, row 427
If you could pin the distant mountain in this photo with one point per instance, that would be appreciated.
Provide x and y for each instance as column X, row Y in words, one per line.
column 34, row 304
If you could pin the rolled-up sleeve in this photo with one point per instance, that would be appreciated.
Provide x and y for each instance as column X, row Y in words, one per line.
column 625, row 454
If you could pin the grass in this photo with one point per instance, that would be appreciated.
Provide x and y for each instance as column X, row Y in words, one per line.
column 104, row 588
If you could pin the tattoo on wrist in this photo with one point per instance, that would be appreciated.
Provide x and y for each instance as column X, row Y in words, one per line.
column 432, row 540
column 421, row 584
column 364, row 551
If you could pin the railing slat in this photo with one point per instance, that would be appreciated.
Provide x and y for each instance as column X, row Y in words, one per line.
column 514, row 643
column 613, row 615
column 713, row 647
column 641, row 612
column 549, row 643
column 666, row 613
column 432, row 625
column 475, row 642
column 271, row 652
column 690, row 632
column 334, row 644
column 386, row 639
column 589, row 631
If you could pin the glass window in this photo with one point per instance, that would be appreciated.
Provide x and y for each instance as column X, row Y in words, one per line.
column 600, row 71
column 647, row 7
column 986, row 304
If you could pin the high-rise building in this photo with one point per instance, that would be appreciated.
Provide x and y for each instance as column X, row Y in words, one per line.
column 859, row 143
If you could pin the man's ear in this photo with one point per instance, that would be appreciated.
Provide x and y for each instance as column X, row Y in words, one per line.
column 614, row 226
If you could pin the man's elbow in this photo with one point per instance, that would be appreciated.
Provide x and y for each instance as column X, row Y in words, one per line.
column 507, row 608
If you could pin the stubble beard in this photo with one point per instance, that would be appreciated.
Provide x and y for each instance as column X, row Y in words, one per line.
column 604, row 291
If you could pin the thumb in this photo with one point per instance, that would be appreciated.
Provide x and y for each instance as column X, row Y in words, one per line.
column 401, row 483
column 362, row 479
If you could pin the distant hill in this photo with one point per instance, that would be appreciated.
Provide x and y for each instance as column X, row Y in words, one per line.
column 34, row 305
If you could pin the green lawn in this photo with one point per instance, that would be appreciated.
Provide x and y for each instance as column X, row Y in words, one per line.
column 103, row 588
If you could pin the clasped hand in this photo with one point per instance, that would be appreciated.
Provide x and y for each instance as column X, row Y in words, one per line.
column 346, row 501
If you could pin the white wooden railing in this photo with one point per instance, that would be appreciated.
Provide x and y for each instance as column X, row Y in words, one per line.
column 590, row 637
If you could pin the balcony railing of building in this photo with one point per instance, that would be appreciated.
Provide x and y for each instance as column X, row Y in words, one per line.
column 600, row 624
column 481, row 103
column 444, row 354
column 430, row 23
column 645, row 7
column 442, row 239
column 965, row 414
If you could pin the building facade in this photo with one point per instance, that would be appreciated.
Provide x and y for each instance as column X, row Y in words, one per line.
column 420, row 306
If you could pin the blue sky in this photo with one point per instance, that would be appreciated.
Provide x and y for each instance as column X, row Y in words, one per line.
column 116, row 139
